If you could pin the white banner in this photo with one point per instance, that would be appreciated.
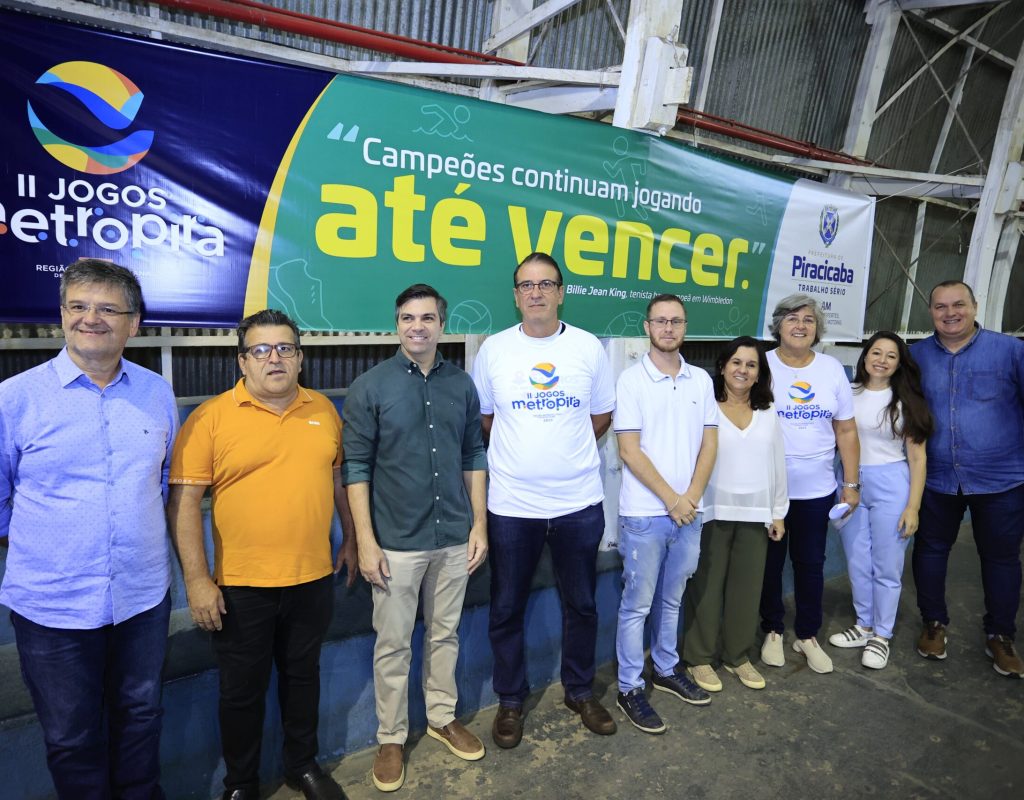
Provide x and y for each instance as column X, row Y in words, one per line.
column 824, row 250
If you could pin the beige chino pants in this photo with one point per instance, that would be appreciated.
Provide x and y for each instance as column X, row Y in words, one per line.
column 442, row 576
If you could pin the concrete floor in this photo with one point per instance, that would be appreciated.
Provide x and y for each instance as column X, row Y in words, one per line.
column 917, row 729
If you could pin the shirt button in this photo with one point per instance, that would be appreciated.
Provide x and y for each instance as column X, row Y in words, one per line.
column 428, row 402
column 437, row 521
column 438, row 497
column 430, row 426
column 433, row 449
column 435, row 474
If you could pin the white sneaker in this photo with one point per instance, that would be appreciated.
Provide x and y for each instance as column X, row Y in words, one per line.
column 817, row 659
column 876, row 653
column 854, row 636
column 771, row 651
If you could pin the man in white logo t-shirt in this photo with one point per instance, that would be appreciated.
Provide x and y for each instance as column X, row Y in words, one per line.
column 546, row 396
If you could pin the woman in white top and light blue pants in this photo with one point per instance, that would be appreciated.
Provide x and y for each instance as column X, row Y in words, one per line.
column 893, row 422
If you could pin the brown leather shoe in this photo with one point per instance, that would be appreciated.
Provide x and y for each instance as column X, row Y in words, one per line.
column 932, row 641
column 507, row 730
column 389, row 768
column 458, row 738
column 1004, row 657
column 594, row 715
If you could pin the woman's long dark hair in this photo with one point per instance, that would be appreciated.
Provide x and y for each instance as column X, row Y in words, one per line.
column 906, row 390
column 761, row 392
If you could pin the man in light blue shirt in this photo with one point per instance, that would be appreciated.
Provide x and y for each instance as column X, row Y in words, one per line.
column 85, row 448
column 973, row 380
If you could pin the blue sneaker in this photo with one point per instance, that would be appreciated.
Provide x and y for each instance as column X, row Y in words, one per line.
column 682, row 687
column 638, row 711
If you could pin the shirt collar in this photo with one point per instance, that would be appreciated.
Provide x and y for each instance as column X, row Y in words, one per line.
column 411, row 366
column 938, row 342
column 68, row 371
column 243, row 397
column 656, row 374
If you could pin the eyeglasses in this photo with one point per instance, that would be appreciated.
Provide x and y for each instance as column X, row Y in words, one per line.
column 661, row 322
column 795, row 319
column 261, row 352
column 546, row 286
column 107, row 312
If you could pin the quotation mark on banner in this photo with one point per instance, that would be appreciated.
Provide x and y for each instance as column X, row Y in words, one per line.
column 757, row 247
column 336, row 131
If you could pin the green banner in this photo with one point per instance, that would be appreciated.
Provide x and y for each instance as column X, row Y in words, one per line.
column 386, row 185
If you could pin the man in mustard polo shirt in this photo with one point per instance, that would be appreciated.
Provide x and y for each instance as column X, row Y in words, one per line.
column 270, row 452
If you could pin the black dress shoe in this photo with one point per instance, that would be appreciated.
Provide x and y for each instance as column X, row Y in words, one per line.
column 241, row 794
column 316, row 784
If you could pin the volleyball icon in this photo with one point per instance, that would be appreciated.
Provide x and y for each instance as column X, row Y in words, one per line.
column 469, row 316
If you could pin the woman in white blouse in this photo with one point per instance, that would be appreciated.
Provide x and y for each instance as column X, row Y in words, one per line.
column 893, row 422
column 745, row 504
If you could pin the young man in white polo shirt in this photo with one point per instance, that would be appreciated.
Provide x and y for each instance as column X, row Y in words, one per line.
column 666, row 422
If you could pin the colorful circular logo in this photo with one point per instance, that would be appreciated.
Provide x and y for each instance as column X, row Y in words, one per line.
column 112, row 100
column 543, row 376
column 801, row 392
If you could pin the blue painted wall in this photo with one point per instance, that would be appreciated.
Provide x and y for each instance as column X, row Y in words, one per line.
column 190, row 749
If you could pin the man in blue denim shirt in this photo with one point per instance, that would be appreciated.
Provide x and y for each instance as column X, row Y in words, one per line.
column 974, row 382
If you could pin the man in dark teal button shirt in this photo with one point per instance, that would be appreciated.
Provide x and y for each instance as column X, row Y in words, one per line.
column 415, row 468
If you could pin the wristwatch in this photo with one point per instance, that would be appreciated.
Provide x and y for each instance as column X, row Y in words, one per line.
column 854, row 486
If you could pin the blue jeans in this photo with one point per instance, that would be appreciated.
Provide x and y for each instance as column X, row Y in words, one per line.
column 998, row 522
column 515, row 548
column 658, row 558
column 806, row 529
column 97, row 695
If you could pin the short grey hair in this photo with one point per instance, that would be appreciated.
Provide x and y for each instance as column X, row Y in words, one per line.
column 794, row 302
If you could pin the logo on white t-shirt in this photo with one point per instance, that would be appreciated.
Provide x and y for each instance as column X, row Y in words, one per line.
column 801, row 406
column 801, row 392
column 543, row 378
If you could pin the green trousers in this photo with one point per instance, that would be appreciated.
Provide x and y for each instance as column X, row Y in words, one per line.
column 722, row 597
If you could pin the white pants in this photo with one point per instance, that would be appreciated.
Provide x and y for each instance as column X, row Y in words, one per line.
column 442, row 575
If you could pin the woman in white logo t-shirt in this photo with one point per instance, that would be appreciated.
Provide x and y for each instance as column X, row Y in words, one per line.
column 893, row 422
column 814, row 405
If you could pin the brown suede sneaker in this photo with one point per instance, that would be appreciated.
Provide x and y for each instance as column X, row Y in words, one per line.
column 1004, row 657
column 932, row 641
column 389, row 768
column 458, row 738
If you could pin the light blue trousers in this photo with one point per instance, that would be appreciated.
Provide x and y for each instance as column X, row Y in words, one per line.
column 874, row 549
column 658, row 558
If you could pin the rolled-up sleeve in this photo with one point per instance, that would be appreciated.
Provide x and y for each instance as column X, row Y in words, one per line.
column 361, row 434
column 474, row 454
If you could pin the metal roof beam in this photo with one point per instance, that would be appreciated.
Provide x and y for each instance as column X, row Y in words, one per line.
column 527, row 22
column 710, row 45
column 988, row 275
column 935, row 57
column 949, row 30
column 885, row 19
column 909, row 5
column 602, row 77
